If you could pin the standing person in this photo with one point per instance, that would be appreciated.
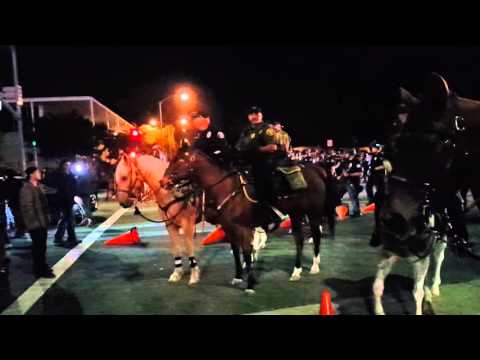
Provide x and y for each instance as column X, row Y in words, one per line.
column 353, row 176
column 66, row 191
column 34, row 209
column 376, row 172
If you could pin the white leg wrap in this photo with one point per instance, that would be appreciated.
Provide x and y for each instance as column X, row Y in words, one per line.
column 296, row 274
column 315, row 269
column 194, row 275
column 176, row 275
column 236, row 281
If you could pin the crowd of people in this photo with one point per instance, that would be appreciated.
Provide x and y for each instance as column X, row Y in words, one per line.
column 353, row 170
column 43, row 198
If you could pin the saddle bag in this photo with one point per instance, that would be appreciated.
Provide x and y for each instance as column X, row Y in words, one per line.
column 294, row 177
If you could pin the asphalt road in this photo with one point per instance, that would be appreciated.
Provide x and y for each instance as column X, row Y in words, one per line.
column 133, row 280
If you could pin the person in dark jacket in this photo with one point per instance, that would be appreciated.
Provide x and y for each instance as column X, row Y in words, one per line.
column 3, row 231
column 210, row 140
column 66, row 190
column 15, row 184
column 34, row 209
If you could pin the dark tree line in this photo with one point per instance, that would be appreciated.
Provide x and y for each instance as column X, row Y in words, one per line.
column 65, row 135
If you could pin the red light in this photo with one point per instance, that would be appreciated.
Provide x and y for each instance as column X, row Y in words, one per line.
column 135, row 132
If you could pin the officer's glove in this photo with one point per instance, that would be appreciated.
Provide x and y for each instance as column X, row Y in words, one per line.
column 388, row 166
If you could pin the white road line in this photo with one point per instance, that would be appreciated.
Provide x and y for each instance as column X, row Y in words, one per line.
column 25, row 301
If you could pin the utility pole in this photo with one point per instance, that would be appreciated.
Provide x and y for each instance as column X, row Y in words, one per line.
column 34, row 133
column 19, row 109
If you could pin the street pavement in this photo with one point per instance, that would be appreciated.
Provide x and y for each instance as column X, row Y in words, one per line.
column 134, row 280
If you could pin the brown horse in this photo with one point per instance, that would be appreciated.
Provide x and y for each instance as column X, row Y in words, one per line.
column 230, row 204
column 131, row 175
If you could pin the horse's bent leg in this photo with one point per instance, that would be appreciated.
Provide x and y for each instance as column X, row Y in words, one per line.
column 176, row 252
column 420, row 269
column 317, row 236
column 384, row 267
column 438, row 256
column 298, row 235
column 238, row 264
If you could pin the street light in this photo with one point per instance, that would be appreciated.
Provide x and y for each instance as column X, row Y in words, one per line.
column 153, row 122
column 184, row 97
column 183, row 121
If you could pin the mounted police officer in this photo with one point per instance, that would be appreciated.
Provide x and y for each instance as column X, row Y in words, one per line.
column 257, row 145
column 210, row 140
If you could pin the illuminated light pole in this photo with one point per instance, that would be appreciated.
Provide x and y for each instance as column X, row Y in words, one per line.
column 153, row 122
column 183, row 121
column 184, row 97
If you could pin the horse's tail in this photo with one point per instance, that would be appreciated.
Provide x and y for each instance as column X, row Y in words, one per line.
column 330, row 199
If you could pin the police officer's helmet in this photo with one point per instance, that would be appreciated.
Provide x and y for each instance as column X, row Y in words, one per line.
column 254, row 110
column 197, row 114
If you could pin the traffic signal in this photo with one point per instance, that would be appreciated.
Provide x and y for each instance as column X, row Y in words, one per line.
column 135, row 136
column 34, row 143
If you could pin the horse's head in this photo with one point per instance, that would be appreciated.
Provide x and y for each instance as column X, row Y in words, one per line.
column 404, row 222
column 127, row 182
column 183, row 166
column 424, row 145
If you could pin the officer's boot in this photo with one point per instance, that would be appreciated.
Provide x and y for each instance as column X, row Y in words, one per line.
column 270, row 219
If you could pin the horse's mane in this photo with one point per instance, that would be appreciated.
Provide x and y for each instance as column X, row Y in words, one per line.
column 210, row 159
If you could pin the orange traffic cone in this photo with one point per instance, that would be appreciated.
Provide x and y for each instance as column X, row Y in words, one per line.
column 326, row 307
column 130, row 238
column 369, row 209
column 214, row 237
column 342, row 212
column 286, row 224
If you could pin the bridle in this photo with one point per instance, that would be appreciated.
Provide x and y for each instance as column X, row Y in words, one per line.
column 238, row 190
column 136, row 180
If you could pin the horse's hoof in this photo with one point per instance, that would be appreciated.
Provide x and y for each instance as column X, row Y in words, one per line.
column 249, row 291
column 380, row 313
column 236, row 281
column 315, row 269
column 176, row 276
column 194, row 276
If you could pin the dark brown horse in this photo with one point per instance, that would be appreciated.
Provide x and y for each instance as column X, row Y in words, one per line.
column 461, row 119
column 229, row 203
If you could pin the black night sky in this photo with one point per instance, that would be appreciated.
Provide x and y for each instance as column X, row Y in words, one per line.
column 318, row 92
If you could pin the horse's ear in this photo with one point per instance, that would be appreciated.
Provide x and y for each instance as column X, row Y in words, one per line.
column 436, row 92
column 406, row 99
